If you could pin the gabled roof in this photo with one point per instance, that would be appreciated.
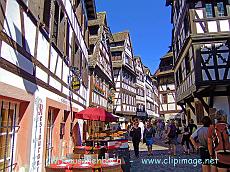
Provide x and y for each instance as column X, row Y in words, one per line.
column 120, row 36
column 139, row 58
column 100, row 20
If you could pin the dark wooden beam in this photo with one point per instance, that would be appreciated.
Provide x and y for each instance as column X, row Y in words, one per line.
column 206, row 106
column 183, row 108
column 191, row 107
column 211, row 101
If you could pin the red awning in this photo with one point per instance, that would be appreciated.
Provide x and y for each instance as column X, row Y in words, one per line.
column 95, row 114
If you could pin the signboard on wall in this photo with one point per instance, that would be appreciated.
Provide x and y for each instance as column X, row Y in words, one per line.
column 37, row 135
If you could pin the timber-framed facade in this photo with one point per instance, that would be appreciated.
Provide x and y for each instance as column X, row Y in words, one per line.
column 168, row 107
column 201, row 54
column 100, row 64
column 41, row 41
column 124, row 74
column 140, row 88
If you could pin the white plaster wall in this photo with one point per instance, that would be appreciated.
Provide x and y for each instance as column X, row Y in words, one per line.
column 224, row 25
column 41, row 74
column 43, row 50
column 30, row 34
column 16, row 58
column 212, row 26
column 12, row 24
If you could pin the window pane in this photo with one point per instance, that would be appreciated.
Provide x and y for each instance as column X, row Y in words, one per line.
column 209, row 10
column 220, row 8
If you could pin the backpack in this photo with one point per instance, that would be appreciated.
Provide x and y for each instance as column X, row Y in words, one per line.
column 172, row 132
column 221, row 142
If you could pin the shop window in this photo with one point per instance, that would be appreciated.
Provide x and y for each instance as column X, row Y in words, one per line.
column 49, row 135
column 8, row 127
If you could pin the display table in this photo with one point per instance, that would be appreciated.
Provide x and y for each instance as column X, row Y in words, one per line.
column 104, row 167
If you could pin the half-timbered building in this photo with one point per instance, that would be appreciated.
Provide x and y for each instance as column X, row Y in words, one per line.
column 151, row 95
column 100, row 64
column 201, row 55
column 140, row 87
column 124, row 74
column 43, row 47
column 168, row 107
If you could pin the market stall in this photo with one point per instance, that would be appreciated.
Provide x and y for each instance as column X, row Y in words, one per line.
column 99, row 152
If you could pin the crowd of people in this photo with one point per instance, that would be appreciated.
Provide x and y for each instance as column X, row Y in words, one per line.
column 211, row 140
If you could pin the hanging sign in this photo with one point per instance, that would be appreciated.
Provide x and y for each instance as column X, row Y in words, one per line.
column 75, row 83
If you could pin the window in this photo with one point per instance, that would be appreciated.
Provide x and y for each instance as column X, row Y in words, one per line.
column 187, row 64
column 91, row 48
column 116, row 56
column 56, row 21
column 67, row 39
column 49, row 136
column 209, row 10
column 46, row 14
column 8, row 124
column 93, row 30
column 164, row 98
column 220, row 9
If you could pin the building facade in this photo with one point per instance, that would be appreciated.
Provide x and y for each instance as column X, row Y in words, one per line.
column 151, row 95
column 100, row 63
column 140, row 88
column 168, row 107
column 201, row 55
column 43, row 47
column 124, row 75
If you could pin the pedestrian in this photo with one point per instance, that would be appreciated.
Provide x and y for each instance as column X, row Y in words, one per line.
column 200, row 141
column 185, row 140
column 172, row 138
column 219, row 143
column 149, row 133
column 192, row 127
column 135, row 133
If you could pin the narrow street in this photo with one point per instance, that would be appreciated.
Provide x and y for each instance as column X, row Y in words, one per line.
column 160, row 154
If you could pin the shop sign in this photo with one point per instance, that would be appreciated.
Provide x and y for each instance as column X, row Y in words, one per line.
column 75, row 83
column 37, row 141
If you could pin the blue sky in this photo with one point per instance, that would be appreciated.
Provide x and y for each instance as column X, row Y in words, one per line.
column 148, row 22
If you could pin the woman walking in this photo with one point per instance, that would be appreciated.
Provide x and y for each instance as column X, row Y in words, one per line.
column 149, row 133
column 172, row 138
column 135, row 133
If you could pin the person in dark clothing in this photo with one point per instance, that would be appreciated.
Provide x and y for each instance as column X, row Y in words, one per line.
column 186, row 140
column 192, row 127
column 135, row 133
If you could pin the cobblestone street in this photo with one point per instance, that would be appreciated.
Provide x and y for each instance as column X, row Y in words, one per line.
column 160, row 153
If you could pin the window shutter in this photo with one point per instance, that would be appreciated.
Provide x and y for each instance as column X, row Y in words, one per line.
column 61, row 32
column 46, row 14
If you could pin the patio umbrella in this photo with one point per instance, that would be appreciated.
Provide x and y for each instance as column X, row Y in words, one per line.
column 95, row 114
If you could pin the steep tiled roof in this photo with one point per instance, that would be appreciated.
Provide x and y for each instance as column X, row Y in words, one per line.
column 100, row 20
